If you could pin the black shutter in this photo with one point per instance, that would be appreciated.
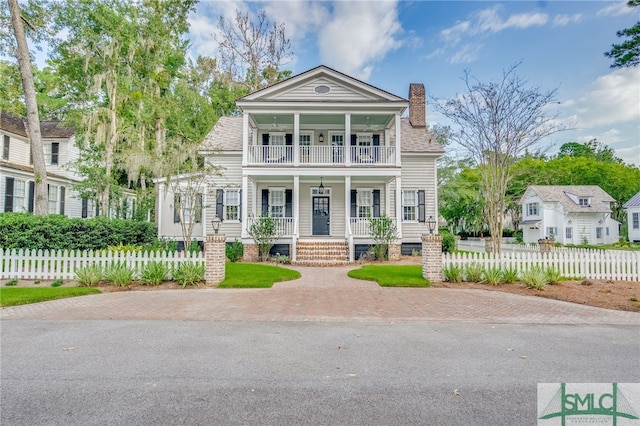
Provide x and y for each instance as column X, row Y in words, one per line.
column 198, row 214
column 97, row 209
column 240, row 205
column 376, row 151
column 8, row 194
column 288, row 139
column 288, row 203
column 176, row 208
column 354, row 140
column 376, row 140
column 354, row 200
column 220, row 203
column 265, row 201
column 31, row 196
column 55, row 150
column 85, row 208
column 421, row 212
column 62, row 195
column 265, row 139
column 376, row 203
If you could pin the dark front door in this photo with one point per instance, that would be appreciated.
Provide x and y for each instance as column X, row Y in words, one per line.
column 321, row 216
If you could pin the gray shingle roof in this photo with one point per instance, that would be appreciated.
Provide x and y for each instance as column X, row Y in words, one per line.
column 634, row 201
column 226, row 135
column 49, row 129
column 558, row 193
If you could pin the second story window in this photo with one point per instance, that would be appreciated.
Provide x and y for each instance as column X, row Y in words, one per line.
column 5, row 147
column 583, row 201
column 276, row 139
column 52, row 153
column 533, row 209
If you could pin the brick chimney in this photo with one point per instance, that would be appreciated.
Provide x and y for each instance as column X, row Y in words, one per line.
column 417, row 112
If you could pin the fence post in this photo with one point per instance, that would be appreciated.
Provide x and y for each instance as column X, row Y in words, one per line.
column 432, row 257
column 215, row 254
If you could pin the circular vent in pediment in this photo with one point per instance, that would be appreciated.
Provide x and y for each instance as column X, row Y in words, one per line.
column 322, row 89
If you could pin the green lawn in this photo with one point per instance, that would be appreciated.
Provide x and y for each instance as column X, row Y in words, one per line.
column 392, row 275
column 253, row 275
column 24, row 295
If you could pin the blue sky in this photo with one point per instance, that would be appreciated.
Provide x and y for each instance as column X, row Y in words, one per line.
column 390, row 44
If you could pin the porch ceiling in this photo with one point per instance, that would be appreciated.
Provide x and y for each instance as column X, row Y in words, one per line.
column 263, row 120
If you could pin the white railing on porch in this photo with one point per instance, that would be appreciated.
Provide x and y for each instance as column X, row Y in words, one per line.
column 62, row 264
column 360, row 226
column 315, row 155
column 284, row 225
column 322, row 155
column 592, row 264
column 375, row 155
column 270, row 154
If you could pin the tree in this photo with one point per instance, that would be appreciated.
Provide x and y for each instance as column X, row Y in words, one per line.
column 498, row 122
column 33, row 118
column 627, row 53
column 252, row 53
column 591, row 149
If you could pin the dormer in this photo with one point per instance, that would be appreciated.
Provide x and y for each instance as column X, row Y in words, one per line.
column 581, row 200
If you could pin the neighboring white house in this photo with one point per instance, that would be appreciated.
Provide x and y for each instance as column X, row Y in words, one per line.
column 17, row 186
column 569, row 214
column 632, row 208
column 322, row 152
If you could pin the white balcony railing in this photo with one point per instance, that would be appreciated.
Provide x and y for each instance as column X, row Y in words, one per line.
column 284, row 225
column 322, row 155
column 359, row 227
column 373, row 155
column 270, row 154
column 314, row 155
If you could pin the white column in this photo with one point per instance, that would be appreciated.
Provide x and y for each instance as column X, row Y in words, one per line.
column 347, row 138
column 398, row 141
column 245, row 206
column 245, row 138
column 399, row 206
column 296, row 139
column 296, row 216
column 347, row 204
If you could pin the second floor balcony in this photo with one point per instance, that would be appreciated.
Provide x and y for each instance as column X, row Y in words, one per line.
column 287, row 155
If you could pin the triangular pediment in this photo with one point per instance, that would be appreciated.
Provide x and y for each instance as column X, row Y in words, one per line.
column 322, row 84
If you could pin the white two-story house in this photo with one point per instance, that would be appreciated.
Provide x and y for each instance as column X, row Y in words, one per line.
column 323, row 153
column 568, row 214
column 632, row 207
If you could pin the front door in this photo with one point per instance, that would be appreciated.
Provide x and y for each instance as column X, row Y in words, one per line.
column 321, row 216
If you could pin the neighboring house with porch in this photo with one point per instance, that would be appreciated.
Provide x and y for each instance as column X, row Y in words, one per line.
column 17, row 185
column 322, row 152
column 569, row 214
column 632, row 207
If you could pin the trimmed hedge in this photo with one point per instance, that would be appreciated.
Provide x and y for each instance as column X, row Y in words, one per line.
column 56, row 232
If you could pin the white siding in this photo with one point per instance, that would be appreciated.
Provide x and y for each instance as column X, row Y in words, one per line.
column 306, row 92
column 418, row 173
column 634, row 234
column 230, row 176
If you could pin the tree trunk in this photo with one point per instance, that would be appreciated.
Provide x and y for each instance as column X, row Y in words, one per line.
column 33, row 119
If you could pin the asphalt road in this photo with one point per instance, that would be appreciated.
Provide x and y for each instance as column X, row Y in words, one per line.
column 116, row 372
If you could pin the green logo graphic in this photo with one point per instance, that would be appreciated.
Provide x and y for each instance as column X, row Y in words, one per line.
column 586, row 402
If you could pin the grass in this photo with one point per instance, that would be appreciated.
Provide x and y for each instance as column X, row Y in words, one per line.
column 253, row 275
column 392, row 275
column 22, row 296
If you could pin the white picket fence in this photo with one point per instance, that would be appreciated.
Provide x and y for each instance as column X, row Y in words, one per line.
column 576, row 263
column 62, row 264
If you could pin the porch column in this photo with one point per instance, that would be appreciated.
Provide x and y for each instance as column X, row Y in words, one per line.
column 347, row 204
column 214, row 252
column 296, row 216
column 399, row 206
column 347, row 138
column 245, row 138
column 245, row 206
column 398, row 142
column 296, row 139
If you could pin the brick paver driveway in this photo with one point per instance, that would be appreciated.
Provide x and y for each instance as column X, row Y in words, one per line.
column 322, row 294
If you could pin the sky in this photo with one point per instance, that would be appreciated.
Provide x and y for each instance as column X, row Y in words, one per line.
column 559, row 45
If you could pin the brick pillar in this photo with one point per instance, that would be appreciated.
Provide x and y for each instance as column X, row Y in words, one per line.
column 394, row 252
column 488, row 247
column 432, row 257
column 250, row 253
column 215, row 258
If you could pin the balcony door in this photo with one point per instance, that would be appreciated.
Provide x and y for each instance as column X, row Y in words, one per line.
column 321, row 215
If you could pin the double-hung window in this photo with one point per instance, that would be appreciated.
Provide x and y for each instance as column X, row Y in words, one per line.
column 364, row 203
column 635, row 219
column 583, row 201
column 568, row 233
column 19, row 191
column 599, row 232
column 552, row 231
column 52, row 153
column 232, row 204
column 5, row 147
column 409, row 205
column 276, row 202
column 532, row 209
column 53, row 199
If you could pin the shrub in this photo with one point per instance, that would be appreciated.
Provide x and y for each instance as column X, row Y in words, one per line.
column 534, row 277
column 154, row 273
column 553, row 276
column 194, row 247
column 12, row 282
column 509, row 275
column 383, row 232
column 162, row 244
column 188, row 273
column 281, row 258
column 119, row 274
column 57, row 283
column 264, row 232
column 452, row 273
column 129, row 248
column 89, row 275
column 473, row 272
column 234, row 251
column 493, row 275
column 448, row 242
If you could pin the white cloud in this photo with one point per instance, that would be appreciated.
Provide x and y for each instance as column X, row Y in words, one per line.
column 616, row 9
column 359, row 34
column 490, row 20
column 299, row 17
column 562, row 20
column 466, row 54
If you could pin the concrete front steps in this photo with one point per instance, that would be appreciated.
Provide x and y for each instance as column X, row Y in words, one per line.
column 322, row 253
